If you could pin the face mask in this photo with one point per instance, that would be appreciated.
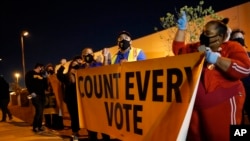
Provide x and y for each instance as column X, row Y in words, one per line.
column 51, row 72
column 124, row 44
column 76, row 67
column 42, row 71
column 240, row 40
column 204, row 40
column 89, row 58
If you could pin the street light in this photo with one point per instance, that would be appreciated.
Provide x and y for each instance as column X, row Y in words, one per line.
column 23, row 34
column 17, row 75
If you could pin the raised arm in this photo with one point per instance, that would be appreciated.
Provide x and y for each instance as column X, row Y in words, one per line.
column 179, row 40
column 106, row 56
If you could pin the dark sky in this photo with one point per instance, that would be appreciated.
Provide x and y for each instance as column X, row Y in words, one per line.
column 62, row 28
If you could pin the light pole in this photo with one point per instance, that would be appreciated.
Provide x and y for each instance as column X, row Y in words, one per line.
column 17, row 75
column 23, row 34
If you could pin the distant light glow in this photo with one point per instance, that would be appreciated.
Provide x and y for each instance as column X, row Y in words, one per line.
column 17, row 75
column 25, row 33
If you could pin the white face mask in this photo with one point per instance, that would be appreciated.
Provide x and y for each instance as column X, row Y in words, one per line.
column 238, row 35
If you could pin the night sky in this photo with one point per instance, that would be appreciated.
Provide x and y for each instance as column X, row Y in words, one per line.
column 62, row 28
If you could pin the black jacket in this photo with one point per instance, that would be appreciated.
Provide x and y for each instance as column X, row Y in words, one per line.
column 69, row 88
column 4, row 89
column 36, row 83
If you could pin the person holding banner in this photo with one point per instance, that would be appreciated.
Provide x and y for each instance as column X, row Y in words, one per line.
column 53, row 107
column 70, row 95
column 126, row 52
column 220, row 95
column 90, row 62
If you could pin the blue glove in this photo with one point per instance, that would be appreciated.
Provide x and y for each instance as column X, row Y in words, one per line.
column 182, row 21
column 212, row 57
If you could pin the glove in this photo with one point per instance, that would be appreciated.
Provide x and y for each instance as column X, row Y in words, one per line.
column 32, row 95
column 182, row 21
column 212, row 57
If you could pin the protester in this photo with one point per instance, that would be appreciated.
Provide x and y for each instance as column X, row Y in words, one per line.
column 126, row 53
column 36, row 84
column 220, row 95
column 238, row 36
column 53, row 100
column 90, row 62
column 70, row 95
column 4, row 99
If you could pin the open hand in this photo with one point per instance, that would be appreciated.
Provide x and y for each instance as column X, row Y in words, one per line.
column 182, row 21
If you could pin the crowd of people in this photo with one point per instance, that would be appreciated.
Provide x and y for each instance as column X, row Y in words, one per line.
column 220, row 88
column 40, row 80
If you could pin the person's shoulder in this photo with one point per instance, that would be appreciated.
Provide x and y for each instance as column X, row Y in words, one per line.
column 30, row 72
column 136, row 48
column 232, row 43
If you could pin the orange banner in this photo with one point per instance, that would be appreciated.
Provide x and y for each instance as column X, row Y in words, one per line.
column 140, row 101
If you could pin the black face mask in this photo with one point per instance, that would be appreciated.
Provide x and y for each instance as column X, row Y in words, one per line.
column 240, row 40
column 89, row 58
column 43, row 71
column 76, row 67
column 50, row 72
column 204, row 40
column 124, row 44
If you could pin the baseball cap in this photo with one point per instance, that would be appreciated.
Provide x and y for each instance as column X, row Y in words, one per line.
column 124, row 32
